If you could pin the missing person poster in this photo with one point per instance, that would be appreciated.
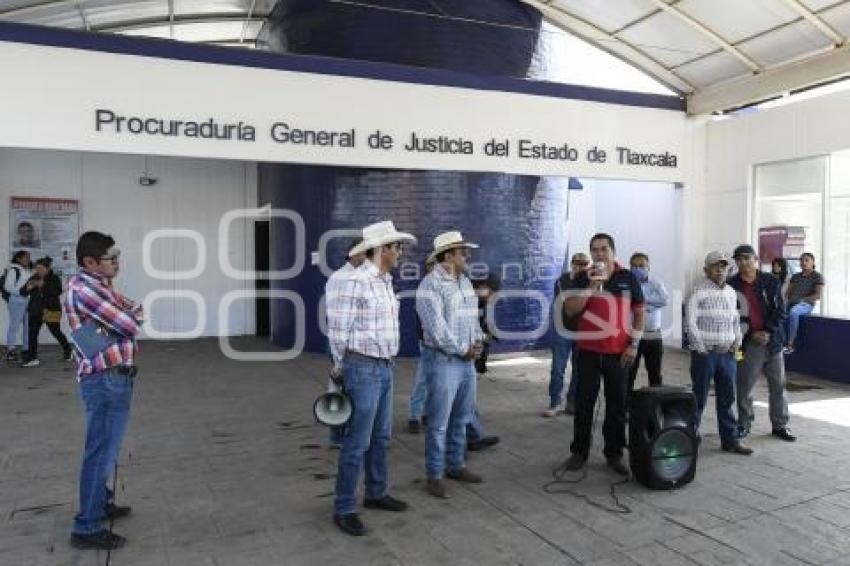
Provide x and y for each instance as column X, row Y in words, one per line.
column 46, row 227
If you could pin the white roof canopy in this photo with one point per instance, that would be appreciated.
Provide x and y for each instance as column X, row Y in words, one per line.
column 720, row 53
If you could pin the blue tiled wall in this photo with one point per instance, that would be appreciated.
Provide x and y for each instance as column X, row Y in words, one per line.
column 519, row 221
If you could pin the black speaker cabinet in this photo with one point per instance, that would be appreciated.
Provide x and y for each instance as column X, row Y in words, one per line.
column 662, row 441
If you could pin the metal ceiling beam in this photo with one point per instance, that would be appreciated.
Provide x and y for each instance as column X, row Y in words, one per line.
column 836, row 38
column 616, row 46
column 175, row 21
column 772, row 82
column 711, row 34
column 34, row 8
column 245, row 25
column 171, row 18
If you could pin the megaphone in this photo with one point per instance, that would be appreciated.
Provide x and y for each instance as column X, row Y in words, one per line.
column 333, row 408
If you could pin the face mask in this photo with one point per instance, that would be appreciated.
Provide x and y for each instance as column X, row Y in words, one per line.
column 640, row 272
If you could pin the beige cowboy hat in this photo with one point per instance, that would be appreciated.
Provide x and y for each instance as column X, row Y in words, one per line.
column 447, row 241
column 380, row 234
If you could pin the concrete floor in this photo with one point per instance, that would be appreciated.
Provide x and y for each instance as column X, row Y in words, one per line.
column 224, row 465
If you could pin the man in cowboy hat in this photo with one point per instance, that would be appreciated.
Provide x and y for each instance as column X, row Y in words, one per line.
column 448, row 308
column 363, row 331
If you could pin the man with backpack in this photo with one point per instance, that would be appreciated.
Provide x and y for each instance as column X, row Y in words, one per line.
column 14, row 280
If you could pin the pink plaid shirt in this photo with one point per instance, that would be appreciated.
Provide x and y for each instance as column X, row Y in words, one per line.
column 90, row 296
column 363, row 315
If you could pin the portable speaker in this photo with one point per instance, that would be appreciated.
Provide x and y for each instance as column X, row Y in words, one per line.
column 662, row 440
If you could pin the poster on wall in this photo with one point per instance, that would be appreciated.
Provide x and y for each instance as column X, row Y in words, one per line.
column 45, row 227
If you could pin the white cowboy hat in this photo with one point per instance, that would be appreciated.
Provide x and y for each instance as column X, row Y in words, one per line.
column 380, row 234
column 448, row 241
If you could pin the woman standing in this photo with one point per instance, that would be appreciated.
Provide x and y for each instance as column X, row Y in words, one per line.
column 44, row 289
column 779, row 268
column 14, row 280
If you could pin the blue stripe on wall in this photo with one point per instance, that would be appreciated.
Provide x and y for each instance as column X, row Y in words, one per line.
column 165, row 49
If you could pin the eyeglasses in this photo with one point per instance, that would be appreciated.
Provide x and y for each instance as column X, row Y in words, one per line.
column 113, row 256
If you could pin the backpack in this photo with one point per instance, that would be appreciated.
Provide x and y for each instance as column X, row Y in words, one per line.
column 3, row 290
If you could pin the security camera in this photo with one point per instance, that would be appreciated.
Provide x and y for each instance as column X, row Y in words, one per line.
column 147, row 181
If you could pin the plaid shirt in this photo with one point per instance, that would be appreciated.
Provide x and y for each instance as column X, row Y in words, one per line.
column 448, row 309
column 90, row 296
column 363, row 314
column 712, row 320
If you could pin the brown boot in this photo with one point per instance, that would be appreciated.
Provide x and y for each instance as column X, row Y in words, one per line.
column 437, row 488
column 465, row 476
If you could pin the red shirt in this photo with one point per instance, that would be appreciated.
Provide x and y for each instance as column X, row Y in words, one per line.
column 753, row 306
column 604, row 324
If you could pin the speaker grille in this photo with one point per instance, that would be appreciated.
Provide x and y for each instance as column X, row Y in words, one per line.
column 672, row 455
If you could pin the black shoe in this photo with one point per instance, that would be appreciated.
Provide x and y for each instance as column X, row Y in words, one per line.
column 413, row 426
column 350, row 524
column 575, row 462
column 386, row 503
column 616, row 464
column 117, row 511
column 784, row 434
column 738, row 448
column 101, row 540
column 482, row 443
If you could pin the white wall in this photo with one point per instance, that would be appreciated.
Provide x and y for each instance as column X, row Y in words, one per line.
column 814, row 127
column 190, row 193
column 642, row 217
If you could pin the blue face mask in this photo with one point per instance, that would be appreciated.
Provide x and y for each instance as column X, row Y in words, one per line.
column 640, row 272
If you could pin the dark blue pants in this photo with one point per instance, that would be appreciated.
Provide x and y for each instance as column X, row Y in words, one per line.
column 721, row 367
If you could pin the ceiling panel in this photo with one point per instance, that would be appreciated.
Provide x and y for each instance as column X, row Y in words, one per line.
column 785, row 44
column 734, row 20
column 100, row 13
column 715, row 68
column 668, row 39
column 818, row 5
column 606, row 14
column 839, row 19
column 212, row 6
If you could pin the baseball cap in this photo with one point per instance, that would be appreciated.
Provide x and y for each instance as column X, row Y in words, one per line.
column 743, row 249
column 716, row 256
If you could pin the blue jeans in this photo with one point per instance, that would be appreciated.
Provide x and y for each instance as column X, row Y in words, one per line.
column 794, row 314
column 419, row 396
column 474, row 429
column 106, row 399
column 721, row 367
column 369, row 383
column 562, row 348
column 18, row 318
column 451, row 402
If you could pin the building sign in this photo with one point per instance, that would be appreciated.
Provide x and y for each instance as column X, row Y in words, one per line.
column 45, row 227
column 120, row 103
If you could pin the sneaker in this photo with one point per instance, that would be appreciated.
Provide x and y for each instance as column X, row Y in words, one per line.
column 784, row 434
column 101, row 540
column 437, row 488
column 575, row 462
column 350, row 524
column 550, row 412
column 33, row 363
column 570, row 407
column 386, row 503
column 616, row 464
column 464, row 476
column 738, row 448
column 788, row 350
column 67, row 357
column 12, row 356
column 413, row 426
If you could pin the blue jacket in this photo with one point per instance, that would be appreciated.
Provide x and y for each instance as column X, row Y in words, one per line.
column 769, row 292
